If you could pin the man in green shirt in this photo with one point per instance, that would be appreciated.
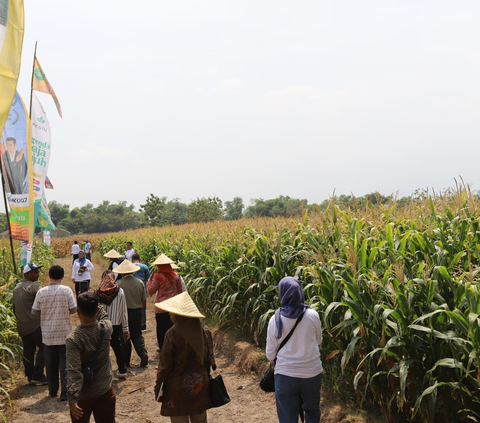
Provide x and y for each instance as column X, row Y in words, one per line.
column 136, row 295
column 28, row 325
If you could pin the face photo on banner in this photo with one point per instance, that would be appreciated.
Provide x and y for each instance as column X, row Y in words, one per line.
column 13, row 147
column 15, row 154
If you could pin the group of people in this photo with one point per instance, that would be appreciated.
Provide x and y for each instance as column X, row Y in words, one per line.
column 113, row 316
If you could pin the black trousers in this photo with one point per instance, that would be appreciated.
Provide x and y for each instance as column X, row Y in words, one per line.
column 55, row 364
column 117, row 345
column 75, row 256
column 163, row 324
column 33, row 366
column 82, row 286
column 136, row 337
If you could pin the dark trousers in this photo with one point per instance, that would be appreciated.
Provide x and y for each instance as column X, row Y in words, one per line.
column 33, row 367
column 82, row 286
column 55, row 364
column 163, row 324
column 144, row 319
column 75, row 256
column 103, row 408
column 135, row 326
column 88, row 256
column 117, row 345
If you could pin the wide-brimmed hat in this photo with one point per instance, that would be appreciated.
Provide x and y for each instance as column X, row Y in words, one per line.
column 182, row 305
column 126, row 267
column 112, row 254
column 174, row 266
column 163, row 259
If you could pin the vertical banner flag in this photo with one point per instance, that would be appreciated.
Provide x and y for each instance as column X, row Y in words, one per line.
column 48, row 183
column 11, row 40
column 41, row 144
column 16, row 158
column 40, row 83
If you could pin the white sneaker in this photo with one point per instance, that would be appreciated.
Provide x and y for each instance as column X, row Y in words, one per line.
column 121, row 375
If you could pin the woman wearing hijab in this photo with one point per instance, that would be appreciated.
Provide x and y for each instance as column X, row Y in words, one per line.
column 81, row 273
column 184, row 364
column 112, row 298
column 165, row 283
column 298, row 368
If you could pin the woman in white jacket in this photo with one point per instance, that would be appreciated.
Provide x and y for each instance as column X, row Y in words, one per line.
column 81, row 273
column 298, row 368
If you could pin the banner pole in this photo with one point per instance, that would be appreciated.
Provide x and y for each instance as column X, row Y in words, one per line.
column 31, row 82
column 8, row 221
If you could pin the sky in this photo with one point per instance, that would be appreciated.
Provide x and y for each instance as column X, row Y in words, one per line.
column 256, row 99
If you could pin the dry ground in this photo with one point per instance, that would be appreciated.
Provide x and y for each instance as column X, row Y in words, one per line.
column 135, row 398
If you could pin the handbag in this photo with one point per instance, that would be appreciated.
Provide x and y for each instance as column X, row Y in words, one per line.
column 267, row 382
column 218, row 392
column 87, row 368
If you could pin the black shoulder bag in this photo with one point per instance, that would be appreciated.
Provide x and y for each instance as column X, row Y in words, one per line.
column 267, row 383
column 87, row 368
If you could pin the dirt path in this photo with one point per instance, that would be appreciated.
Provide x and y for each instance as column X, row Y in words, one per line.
column 135, row 398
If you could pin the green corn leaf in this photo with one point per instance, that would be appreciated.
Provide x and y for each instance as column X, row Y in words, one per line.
column 349, row 351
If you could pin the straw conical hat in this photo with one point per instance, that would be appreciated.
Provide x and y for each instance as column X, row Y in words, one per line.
column 174, row 266
column 126, row 267
column 182, row 304
column 163, row 259
column 112, row 254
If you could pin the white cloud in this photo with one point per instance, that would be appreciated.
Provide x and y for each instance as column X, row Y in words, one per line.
column 229, row 86
column 96, row 152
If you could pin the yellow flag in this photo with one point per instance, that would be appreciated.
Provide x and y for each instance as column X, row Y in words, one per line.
column 40, row 83
column 11, row 42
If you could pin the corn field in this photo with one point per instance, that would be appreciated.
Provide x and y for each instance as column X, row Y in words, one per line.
column 397, row 291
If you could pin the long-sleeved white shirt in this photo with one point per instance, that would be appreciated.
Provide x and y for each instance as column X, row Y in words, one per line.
column 300, row 356
column 86, row 275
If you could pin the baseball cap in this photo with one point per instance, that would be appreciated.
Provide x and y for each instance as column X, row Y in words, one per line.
column 31, row 266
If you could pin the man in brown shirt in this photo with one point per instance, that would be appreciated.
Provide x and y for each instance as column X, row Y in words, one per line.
column 28, row 325
column 99, row 396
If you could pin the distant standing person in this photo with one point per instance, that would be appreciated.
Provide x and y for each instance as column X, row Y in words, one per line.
column 81, row 273
column 143, row 274
column 165, row 283
column 55, row 303
column 28, row 325
column 136, row 296
column 88, row 250
column 129, row 252
column 75, row 250
column 99, row 396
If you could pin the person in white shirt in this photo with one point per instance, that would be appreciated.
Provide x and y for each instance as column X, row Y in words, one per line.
column 81, row 273
column 54, row 303
column 298, row 367
column 129, row 252
column 75, row 250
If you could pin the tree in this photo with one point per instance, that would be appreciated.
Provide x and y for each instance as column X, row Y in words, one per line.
column 281, row 206
column 234, row 209
column 175, row 213
column 58, row 211
column 205, row 210
column 153, row 209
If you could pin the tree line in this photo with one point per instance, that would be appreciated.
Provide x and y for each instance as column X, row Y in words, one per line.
column 159, row 211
